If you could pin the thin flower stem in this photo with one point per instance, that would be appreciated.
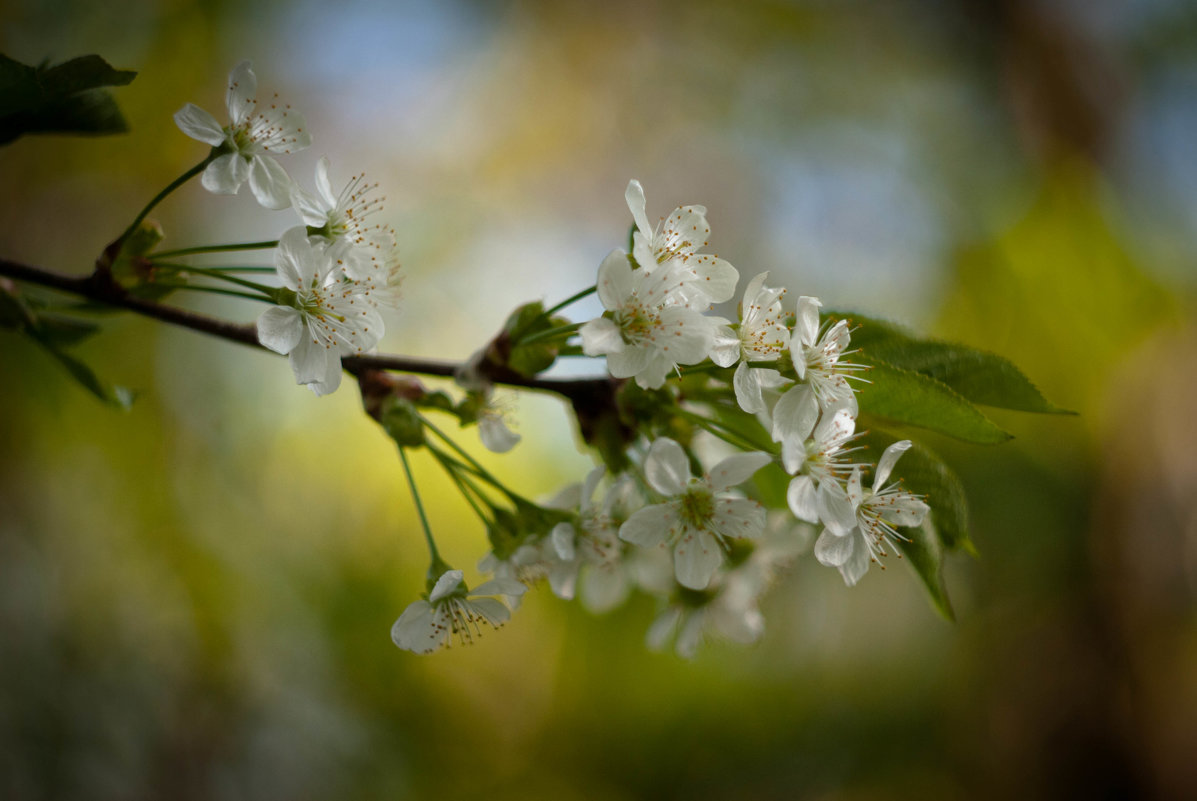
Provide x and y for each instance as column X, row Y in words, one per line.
column 552, row 333
column 571, row 299
column 473, row 464
column 182, row 179
column 215, row 290
column 166, row 254
column 724, row 432
column 468, row 491
column 217, row 274
column 415, row 494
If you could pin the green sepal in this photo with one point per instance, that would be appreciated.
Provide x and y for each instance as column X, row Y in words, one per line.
column 67, row 98
column 908, row 397
column 977, row 375
column 400, row 418
column 131, row 265
column 531, row 358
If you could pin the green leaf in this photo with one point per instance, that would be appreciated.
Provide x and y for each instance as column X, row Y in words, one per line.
column 120, row 397
column 67, row 98
column 977, row 375
column 915, row 399
column 923, row 551
column 54, row 332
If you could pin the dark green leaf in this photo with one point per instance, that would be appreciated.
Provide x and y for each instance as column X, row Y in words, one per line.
column 978, row 376
column 918, row 400
column 925, row 554
column 67, row 98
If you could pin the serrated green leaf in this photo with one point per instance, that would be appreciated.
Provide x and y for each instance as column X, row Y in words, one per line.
column 977, row 375
column 923, row 551
column 924, row 473
column 66, row 98
column 918, row 400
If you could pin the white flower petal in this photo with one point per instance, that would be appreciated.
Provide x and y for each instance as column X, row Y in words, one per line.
column 738, row 518
column 634, row 195
column 715, row 278
column 836, row 509
column 795, row 414
column 806, row 327
column 888, row 459
column 666, row 467
column 491, row 610
column 447, row 583
column 614, row 280
column 802, row 499
column 562, row 539
column 495, row 435
column 603, row 588
column 310, row 210
column 243, row 89
column 414, row 630
column 658, row 633
column 725, row 350
column 225, row 175
column 858, row 563
column 651, row 526
column 696, row 557
column 280, row 328
column 631, row 361
column 270, row 183
column 737, row 469
column 199, row 124
column 324, row 185
column 832, row 550
column 601, row 337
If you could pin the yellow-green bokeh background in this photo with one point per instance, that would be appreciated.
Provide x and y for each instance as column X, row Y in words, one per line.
column 195, row 596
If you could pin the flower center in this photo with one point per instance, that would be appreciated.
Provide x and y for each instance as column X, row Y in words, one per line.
column 696, row 507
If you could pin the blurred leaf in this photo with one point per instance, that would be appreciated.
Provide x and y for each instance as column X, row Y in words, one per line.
column 118, row 396
column 979, row 376
column 913, row 398
column 925, row 554
column 67, row 98
column 55, row 332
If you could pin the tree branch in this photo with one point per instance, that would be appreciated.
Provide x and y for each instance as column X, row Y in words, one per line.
column 100, row 286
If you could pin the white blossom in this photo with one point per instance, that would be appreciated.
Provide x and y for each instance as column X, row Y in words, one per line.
column 700, row 519
column 332, row 315
column 817, row 462
column 823, row 378
column 345, row 218
column 256, row 128
column 761, row 336
column 451, row 610
column 676, row 241
column 859, row 524
column 650, row 328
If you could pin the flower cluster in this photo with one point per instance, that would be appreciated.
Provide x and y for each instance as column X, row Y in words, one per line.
column 338, row 269
column 774, row 387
